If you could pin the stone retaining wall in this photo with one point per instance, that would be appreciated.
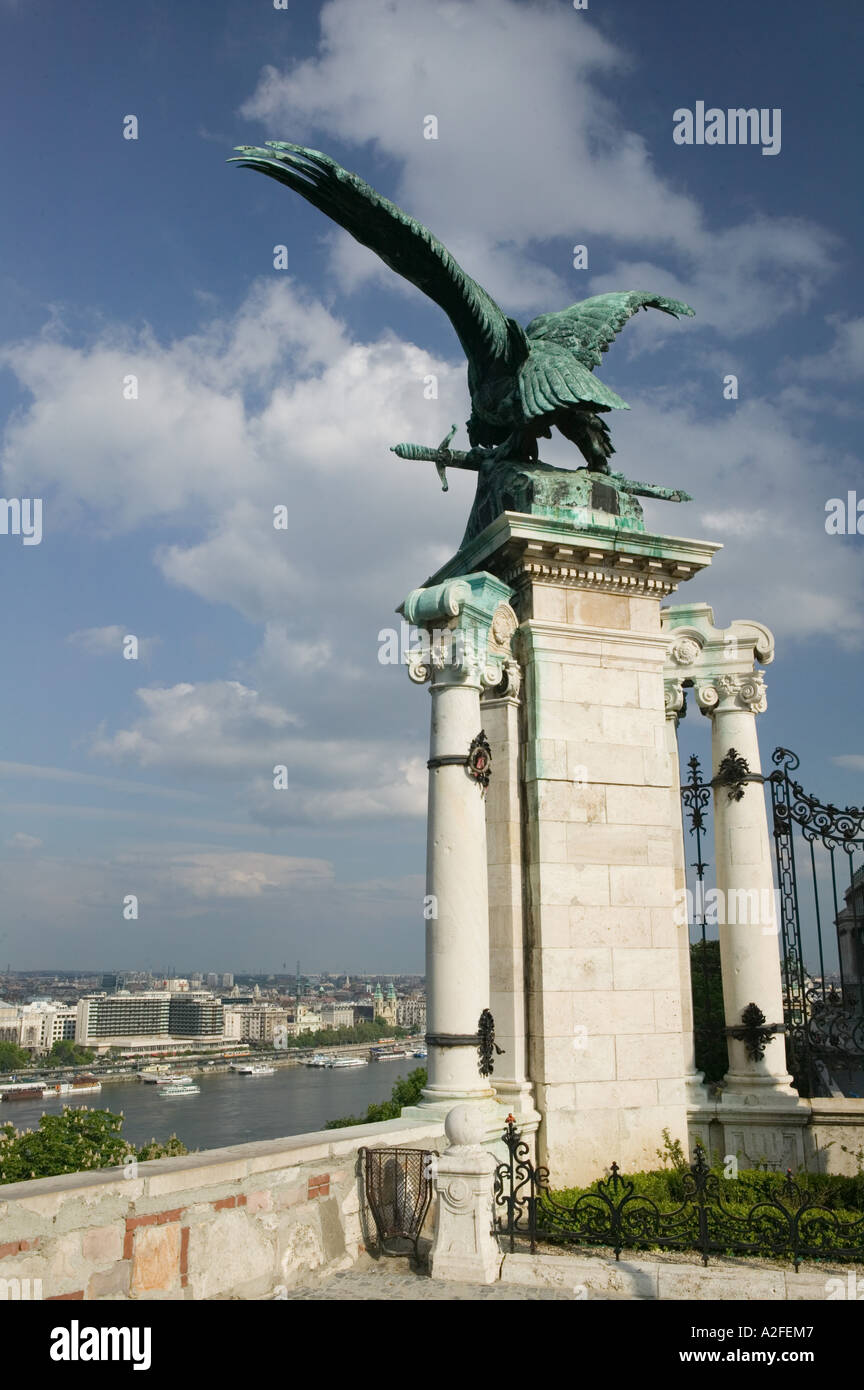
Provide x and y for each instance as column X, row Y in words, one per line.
column 239, row 1222
column 641, row 1276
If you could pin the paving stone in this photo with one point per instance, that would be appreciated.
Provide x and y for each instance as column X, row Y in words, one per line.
column 387, row 1283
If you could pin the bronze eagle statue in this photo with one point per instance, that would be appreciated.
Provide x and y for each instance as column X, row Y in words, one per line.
column 522, row 381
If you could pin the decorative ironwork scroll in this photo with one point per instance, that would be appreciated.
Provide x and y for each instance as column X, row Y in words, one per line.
column 754, row 1032
column 733, row 772
column 487, row 1046
column 480, row 760
column 483, row 1040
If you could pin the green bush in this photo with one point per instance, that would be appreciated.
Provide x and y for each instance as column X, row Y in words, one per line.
column 406, row 1092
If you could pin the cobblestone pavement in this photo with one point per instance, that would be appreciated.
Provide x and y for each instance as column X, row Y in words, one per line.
column 381, row 1285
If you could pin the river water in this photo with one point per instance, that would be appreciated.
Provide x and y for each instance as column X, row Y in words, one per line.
column 232, row 1109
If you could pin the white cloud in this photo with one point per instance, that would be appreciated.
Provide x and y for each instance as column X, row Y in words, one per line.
column 219, row 725
column 249, row 875
column 225, row 730
column 21, row 840
column 854, row 761
column 505, row 174
column 843, row 361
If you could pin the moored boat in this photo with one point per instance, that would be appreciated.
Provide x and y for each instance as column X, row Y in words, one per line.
column 23, row 1092
column 179, row 1088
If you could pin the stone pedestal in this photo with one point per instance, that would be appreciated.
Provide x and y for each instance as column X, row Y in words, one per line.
column 464, row 1247
column 607, row 1052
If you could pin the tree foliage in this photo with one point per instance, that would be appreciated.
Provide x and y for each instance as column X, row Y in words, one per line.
column 75, row 1141
column 712, row 1054
column 12, row 1056
column 364, row 1032
column 69, row 1054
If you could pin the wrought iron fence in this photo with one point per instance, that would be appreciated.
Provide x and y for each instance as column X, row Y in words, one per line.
column 823, row 1003
column 819, row 853
column 398, row 1187
column 780, row 1225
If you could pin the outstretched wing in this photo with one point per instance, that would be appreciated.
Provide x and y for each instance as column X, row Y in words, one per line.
column 554, row 378
column 486, row 334
column 586, row 329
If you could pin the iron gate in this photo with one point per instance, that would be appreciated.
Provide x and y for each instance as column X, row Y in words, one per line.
column 819, row 852
column 820, row 878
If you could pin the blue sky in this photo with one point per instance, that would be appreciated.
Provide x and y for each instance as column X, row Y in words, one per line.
column 259, row 387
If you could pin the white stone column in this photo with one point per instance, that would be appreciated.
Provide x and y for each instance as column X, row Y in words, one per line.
column 721, row 665
column 759, row 1116
column 747, row 918
column 456, row 617
column 501, row 710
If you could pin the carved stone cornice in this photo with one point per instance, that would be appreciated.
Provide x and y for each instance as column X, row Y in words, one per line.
column 526, row 550
column 571, row 567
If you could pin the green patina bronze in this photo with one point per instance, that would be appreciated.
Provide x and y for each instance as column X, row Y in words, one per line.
column 523, row 381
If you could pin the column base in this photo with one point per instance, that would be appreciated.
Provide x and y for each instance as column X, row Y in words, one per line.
column 695, row 1090
column 746, row 1088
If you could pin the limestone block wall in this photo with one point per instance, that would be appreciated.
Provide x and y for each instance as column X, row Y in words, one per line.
column 834, row 1139
column 608, row 1048
column 237, row 1222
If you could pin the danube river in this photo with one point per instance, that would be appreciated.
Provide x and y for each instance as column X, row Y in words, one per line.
column 232, row 1109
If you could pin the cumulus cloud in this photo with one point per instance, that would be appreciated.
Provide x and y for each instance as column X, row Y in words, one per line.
column 219, row 725
column 225, row 730
column 566, row 166
column 21, row 840
column 843, row 360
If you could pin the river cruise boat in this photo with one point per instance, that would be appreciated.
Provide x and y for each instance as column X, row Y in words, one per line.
column 339, row 1062
column 23, row 1092
column 255, row 1069
column 179, row 1088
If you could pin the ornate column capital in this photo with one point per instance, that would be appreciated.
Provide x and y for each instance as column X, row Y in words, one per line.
column 674, row 699
column 719, row 662
column 466, row 627
column 718, row 694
